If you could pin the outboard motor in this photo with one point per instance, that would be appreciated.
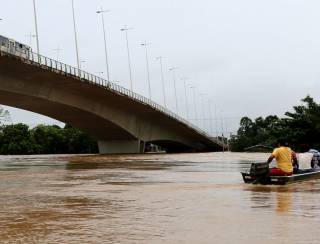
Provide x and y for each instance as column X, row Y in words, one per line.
column 259, row 169
column 259, row 172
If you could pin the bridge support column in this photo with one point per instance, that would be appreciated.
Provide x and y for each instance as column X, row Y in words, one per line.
column 121, row 146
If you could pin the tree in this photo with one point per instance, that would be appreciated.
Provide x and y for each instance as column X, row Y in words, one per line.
column 301, row 128
column 16, row 139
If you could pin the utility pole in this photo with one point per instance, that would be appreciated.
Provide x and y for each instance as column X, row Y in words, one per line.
column 162, row 80
column 101, row 11
column 145, row 44
column 126, row 29
column 75, row 35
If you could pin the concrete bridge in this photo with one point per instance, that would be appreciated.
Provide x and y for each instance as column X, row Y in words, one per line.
column 120, row 120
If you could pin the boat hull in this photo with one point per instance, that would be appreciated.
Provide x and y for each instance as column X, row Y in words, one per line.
column 302, row 175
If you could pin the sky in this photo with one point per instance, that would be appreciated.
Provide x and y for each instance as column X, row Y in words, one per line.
column 245, row 58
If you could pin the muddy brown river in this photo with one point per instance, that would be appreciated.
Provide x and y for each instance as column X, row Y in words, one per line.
column 184, row 198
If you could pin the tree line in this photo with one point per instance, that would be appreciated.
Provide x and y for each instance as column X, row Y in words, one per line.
column 300, row 128
column 19, row 139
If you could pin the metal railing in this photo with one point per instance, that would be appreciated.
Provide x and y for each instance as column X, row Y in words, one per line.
column 56, row 66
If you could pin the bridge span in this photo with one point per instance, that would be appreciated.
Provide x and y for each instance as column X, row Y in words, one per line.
column 120, row 120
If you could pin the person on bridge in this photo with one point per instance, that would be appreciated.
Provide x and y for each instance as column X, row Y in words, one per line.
column 286, row 159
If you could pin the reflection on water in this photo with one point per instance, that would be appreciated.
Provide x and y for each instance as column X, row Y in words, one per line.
column 185, row 198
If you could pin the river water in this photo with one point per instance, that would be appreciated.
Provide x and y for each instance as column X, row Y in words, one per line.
column 184, row 198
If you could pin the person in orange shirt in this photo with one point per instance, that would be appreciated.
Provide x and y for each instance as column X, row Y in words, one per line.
column 285, row 157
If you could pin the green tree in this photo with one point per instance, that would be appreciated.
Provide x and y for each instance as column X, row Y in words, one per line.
column 16, row 139
column 300, row 127
column 49, row 139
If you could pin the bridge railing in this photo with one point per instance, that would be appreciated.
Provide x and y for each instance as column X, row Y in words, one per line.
column 87, row 77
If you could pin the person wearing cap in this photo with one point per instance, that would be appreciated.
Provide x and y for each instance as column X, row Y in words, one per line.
column 315, row 161
column 286, row 160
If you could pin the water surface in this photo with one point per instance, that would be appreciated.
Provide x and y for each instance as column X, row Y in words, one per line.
column 184, row 198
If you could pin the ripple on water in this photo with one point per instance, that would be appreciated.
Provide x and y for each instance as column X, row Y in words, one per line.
column 183, row 198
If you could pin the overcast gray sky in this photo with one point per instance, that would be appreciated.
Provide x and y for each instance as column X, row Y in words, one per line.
column 250, row 57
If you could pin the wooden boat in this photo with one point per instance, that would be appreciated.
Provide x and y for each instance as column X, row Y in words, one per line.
column 258, row 174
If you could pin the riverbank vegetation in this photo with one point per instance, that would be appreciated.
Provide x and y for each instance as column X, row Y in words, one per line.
column 300, row 128
column 18, row 139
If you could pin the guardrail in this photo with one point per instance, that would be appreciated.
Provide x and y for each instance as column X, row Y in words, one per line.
column 85, row 76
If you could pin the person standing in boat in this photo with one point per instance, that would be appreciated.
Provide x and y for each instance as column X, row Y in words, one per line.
column 286, row 159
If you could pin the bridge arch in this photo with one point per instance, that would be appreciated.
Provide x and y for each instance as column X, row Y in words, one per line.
column 119, row 123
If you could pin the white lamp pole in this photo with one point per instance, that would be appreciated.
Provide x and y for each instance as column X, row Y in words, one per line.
column 210, row 118
column 194, row 103
column 36, row 26
column 58, row 50
column 145, row 44
column 185, row 95
column 203, row 111
column 75, row 35
column 30, row 36
column 126, row 29
column 173, row 69
column 162, row 80
column 81, row 62
column 101, row 11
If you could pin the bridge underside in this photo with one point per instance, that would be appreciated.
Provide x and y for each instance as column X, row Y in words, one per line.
column 118, row 123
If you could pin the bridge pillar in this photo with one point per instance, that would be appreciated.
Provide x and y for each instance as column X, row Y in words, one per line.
column 121, row 147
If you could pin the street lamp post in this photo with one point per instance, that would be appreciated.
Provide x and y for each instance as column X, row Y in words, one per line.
column 80, row 63
column 203, row 111
column 185, row 95
column 30, row 36
column 126, row 29
column 101, row 11
column 162, row 80
column 222, row 128
column 194, row 103
column 210, row 118
column 75, row 35
column 145, row 44
column 36, row 26
column 216, row 121
column 58, row 50
column 173, row 69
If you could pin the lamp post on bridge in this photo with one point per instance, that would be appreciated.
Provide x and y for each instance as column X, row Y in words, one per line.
column 80, row 63
column 30, row 36
column 222, row 128
column 185, row 95
column 145, row 44
column 210, row 118
column 194, row 103
column 162, row 80
column 126, row 29
column 203, row 111
column 75, row 35
column 173, row 69
column 36, row 27
column 101, row 11
column 58, row 50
